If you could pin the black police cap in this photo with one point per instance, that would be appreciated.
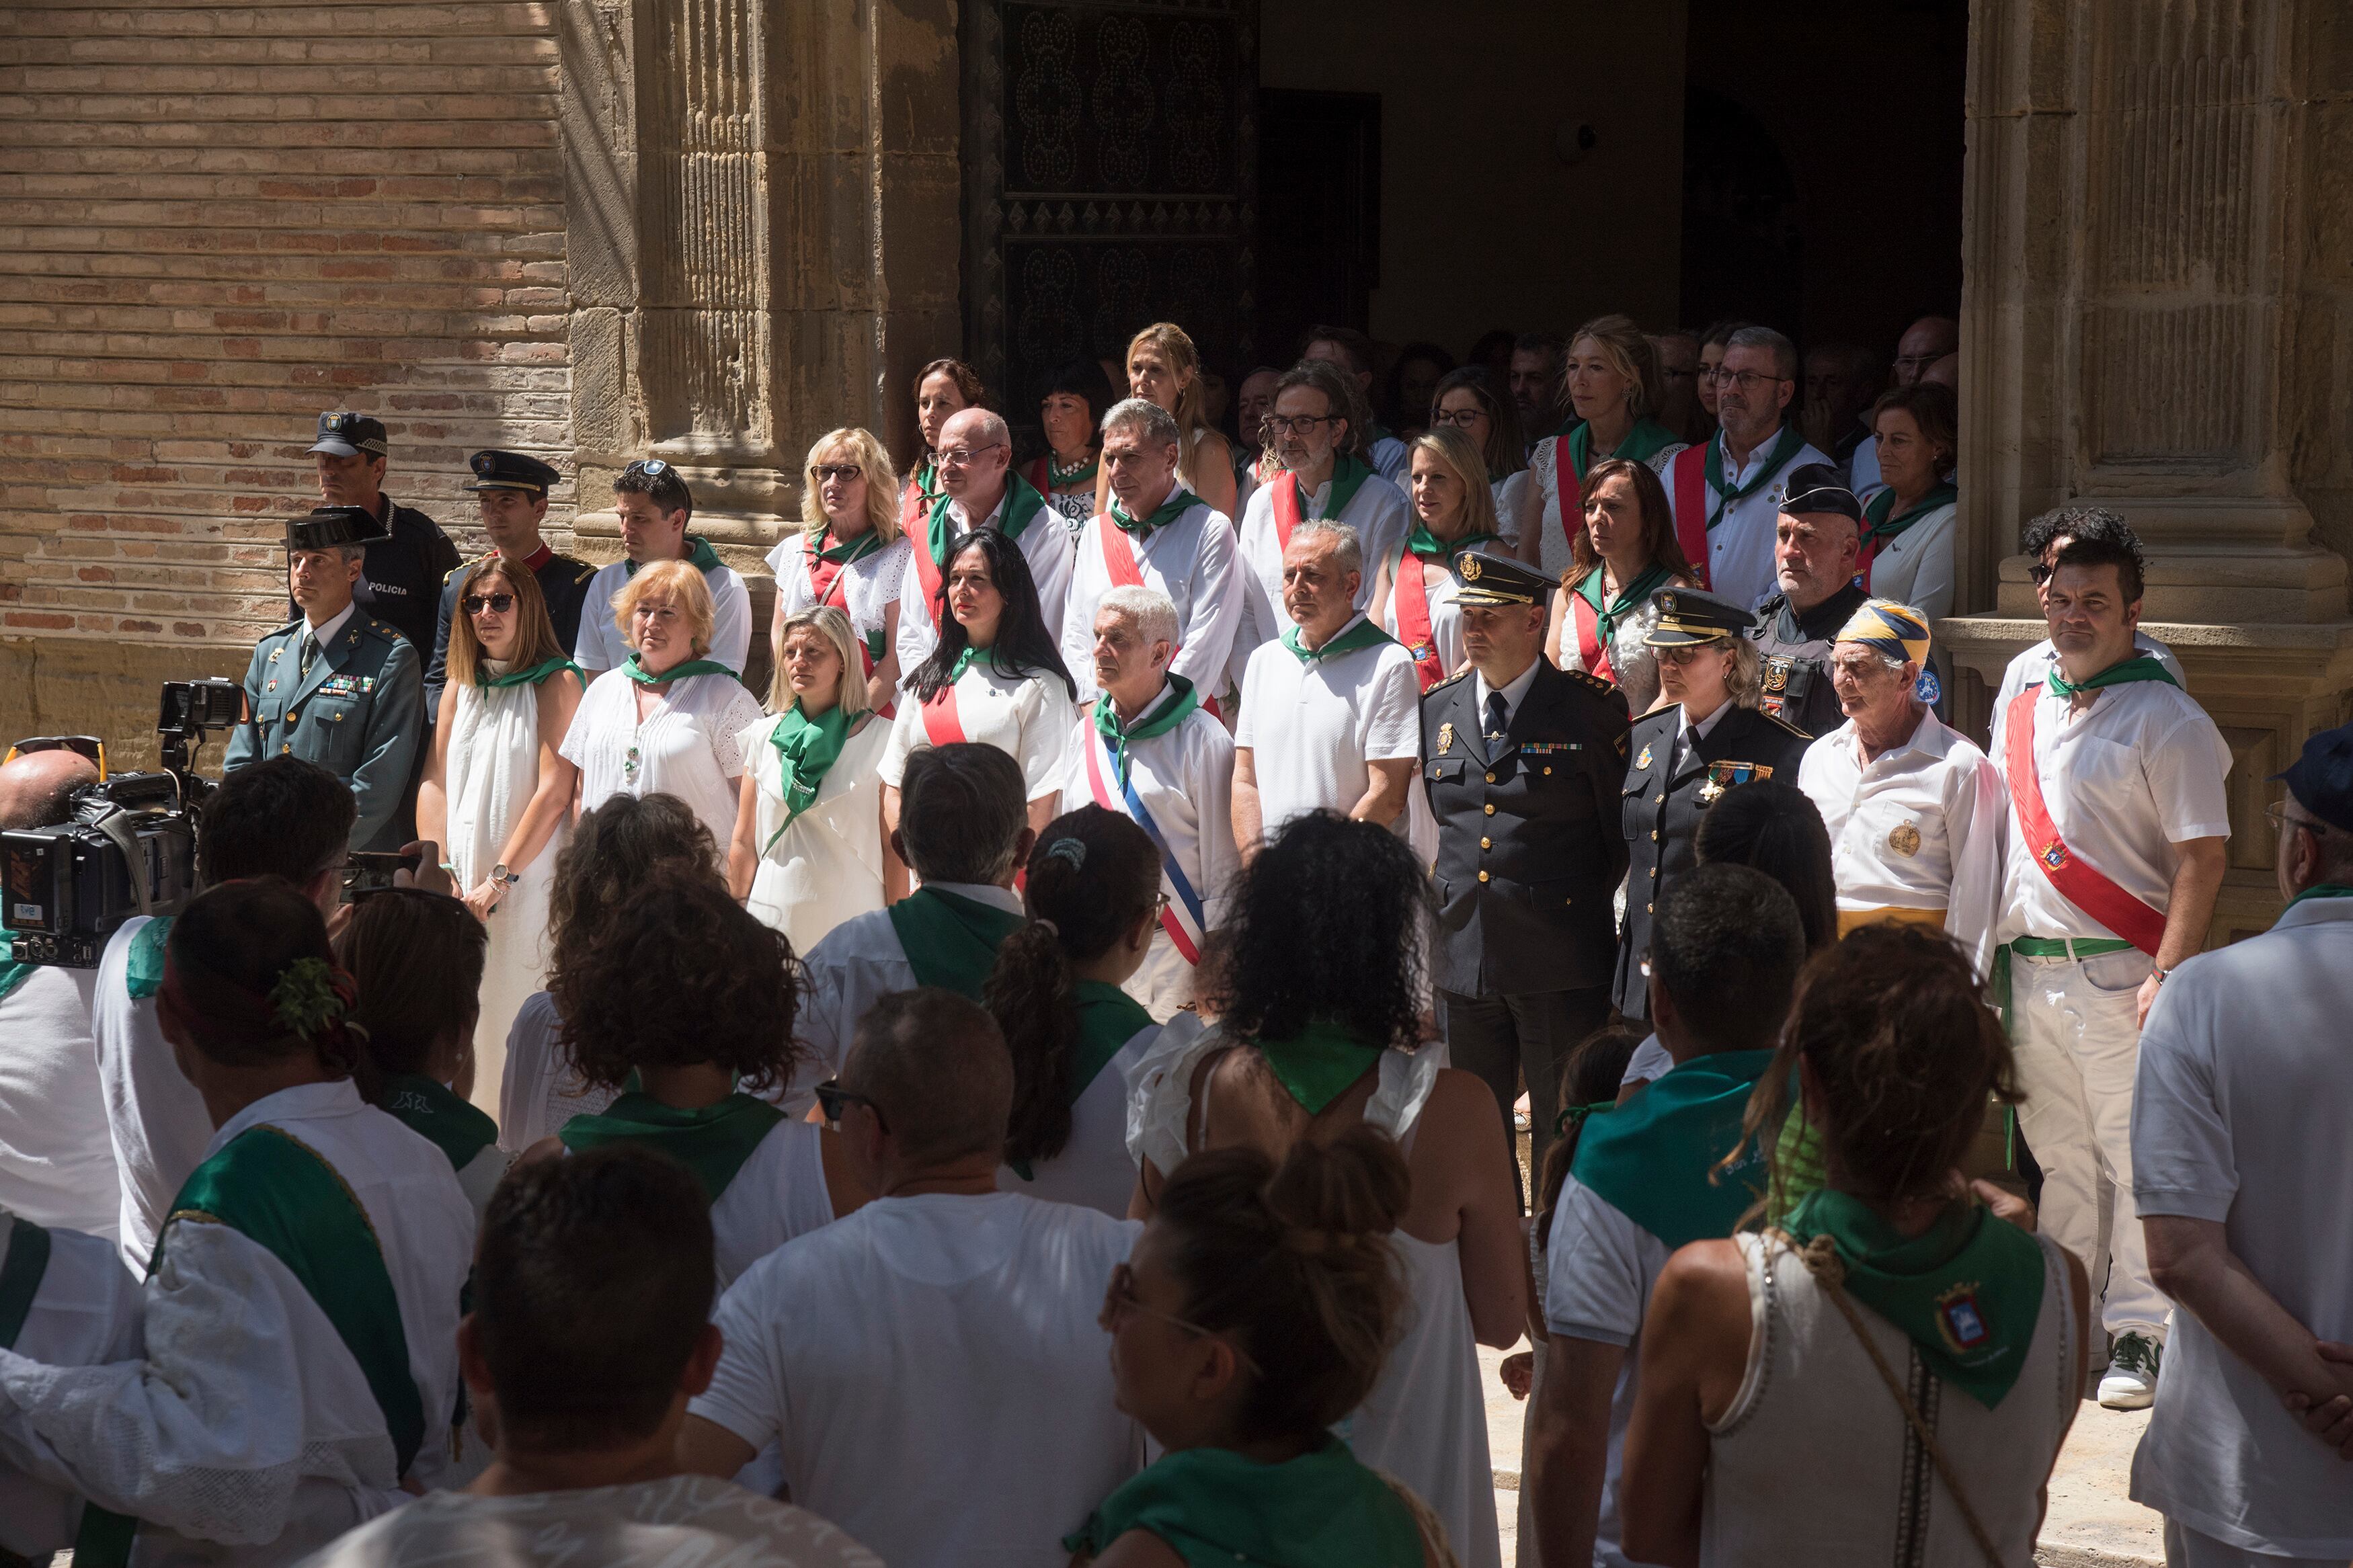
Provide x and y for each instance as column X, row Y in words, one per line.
column 496, row 470
column 1818, row 487
column 1489, row 579
column 329, row 526
column 343, row 434
column 1693, row 614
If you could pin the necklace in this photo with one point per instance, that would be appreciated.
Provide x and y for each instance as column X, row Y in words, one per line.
column 1084, row 469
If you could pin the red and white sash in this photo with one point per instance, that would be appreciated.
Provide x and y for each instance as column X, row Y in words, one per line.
column 1590, row 646
column 1691, row 506
column 1571, row 493
column 2081, row 883
column 1181, row 916
column 942, row 723
column 1412, row 598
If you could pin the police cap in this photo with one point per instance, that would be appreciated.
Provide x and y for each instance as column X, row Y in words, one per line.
column 1487, row 579
column 495, row 470
column 1693, row 614
column 329, row 526
column 2321, row 779
column 347, row 434
column 1818, row 487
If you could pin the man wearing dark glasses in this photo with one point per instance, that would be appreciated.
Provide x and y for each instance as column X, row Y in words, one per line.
column 654, row 507
column 512, row 490
column 409, row 554
column 2041, row 541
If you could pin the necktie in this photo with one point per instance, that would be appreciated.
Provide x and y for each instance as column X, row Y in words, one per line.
column 1499, row 718
column 310, row 652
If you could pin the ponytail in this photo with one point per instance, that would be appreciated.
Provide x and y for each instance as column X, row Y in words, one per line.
column 1589, row 1077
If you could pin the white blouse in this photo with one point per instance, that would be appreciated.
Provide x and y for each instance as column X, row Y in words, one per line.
column 1028, row 717
column 868, row 584
column 827, row 865
column 686, row 746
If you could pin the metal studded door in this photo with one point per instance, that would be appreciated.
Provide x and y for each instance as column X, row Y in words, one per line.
column 1109, row 172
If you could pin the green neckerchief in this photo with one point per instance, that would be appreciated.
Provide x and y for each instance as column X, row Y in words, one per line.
column 1348, row 477
column 2319, row 890
column 429, row 1110
column 1364, row 634
column 1965, row 1291
column 536, row 674
column 20, row 1277
column 1879, row 526
column 926, row 478
column 1320, row 1061
column 697, row 551
column 1655, row 1159
column 1427, row 545
column 713, row 1142
column 1784, row 446
column 806, row 748
column 1798, row 1163
column 2143, row 668
column 1163, row 714
column 1216, row 1509
column 1020, row 507
column 1631, row 598
column 636, row 672
column 1108, row 1018
column 12, row 973
column 951, row 941
column 875, row 645
column 143, row 969
column 858, row 549
column 1180, row 501
column 1643, row 438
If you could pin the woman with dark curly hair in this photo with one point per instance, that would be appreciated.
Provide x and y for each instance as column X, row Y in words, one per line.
column 1327, row 983
column 684, row 1001
column 1256, row 1311
column 1092, row 893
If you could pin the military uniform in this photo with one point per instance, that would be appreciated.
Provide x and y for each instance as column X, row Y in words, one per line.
column 1797, row 649
column 563, row 580
column 1529, row 855
column 353, row 707
column 405, row 562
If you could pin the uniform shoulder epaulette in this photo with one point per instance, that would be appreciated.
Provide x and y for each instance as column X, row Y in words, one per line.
column 382, row 628
column 451, row 575
column 1590, row 681
column 1449, row 681
column 586, row 571
column 1783, row 723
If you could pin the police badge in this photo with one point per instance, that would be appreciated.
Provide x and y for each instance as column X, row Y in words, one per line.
column 1445, row 738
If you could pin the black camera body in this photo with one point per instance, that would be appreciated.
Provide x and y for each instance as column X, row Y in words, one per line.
column 129, row 848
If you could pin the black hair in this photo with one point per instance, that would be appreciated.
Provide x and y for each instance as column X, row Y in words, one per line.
column 227, row 955
column 1347, row 340
column 1725, row 946
column 2077, row 521
column 1327, row 925
column 666, row 490
column 593, row 1280
column 1506, row 448
column 1775, row 827
column 417, row 959
column 961, row 812
column 1023, row 647
column 1084, row 379
column 280, row 816
column 1720, row 331
column 1092, row 876
column 1392, row 387
column 1490, row 341
column 2101, row 548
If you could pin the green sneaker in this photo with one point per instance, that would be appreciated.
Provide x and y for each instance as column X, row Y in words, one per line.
column 2130, row 1381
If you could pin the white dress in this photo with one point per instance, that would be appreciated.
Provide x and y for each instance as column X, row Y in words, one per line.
column 543, row 1089
column 685, row 747
column 493, row 771
column 1027, row 717
column 827, row 866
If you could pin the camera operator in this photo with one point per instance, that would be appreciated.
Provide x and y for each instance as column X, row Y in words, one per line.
column 337, row 686
column 280, row 816
column 56, row 1162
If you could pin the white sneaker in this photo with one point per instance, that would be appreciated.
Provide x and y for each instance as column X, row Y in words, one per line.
column 2130, row 1381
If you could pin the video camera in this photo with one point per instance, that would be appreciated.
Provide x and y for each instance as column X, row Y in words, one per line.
column 129, row 848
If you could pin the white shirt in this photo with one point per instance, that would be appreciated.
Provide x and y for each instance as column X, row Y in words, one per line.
column 2242, row 1079
column 85, row 1314
column 935, row 1372
column 867, row 588
column 2138, row 772
column 1095, row 1168
column 56, row 1157
column 600, row 645
column 1045, row 544
column 230, row 1329
column 1918, row 828
column 687, row 746
column 324, row 635
column 827, row 865
column 1027, row 717
column 1862, row 469
column 157, row 1119
column 1312, row 727
column 857, row 965
column 1515, row 691
column 1740, row 547
column 2034, row 664
column 1192, row 561
column 542, row 1089
column 1917, row 569
column 778, row 1193
column 1377, row 511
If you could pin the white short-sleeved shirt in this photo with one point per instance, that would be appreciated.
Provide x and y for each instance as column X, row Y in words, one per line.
column 1378, row 513
column 935, row 1373
column 1094, row 1167
column 2138, row 772
column 56, row 1157
column 2242, row 1092
column 1312, row 727
column 1191, row 560
column 1185, row 780
column 860, row 963
column 158, row 1120
column 1027, row 717
column 2034, row 665
column 1740, row 547
column 866, row 589
column 600, row 647
column 1045, row 544
column 687, row 747
column 85, row 1314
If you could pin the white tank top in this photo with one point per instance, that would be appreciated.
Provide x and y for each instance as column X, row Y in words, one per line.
column 1815, row 1463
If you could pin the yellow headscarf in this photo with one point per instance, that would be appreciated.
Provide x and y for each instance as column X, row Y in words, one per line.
column 1899, row 631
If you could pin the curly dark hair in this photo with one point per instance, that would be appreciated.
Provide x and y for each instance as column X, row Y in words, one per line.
column 612, row 850
column 1024, row 644
column 1777, row 828
column 681, row 974
column 1326, row 926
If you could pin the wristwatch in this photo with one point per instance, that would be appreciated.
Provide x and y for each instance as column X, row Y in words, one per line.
column 501, row 878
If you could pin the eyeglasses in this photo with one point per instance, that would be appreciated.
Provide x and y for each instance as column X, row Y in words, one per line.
column 1747, row 380
column 1461, row 419
column 831, row 1097
column 1119, row 1300
column 1683, row 653
column 1303, row 423
column 652, row 467
column 497, row 604
column 89, row 746
column 957, row 457
column 845, row 472
column 2277, row 813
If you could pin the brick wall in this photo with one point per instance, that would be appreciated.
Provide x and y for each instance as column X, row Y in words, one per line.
column 217, row 220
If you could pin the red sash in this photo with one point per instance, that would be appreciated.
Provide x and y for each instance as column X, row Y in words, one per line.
column 927, row 573
column 825, row 576
column 943, row 725
column 1412, row 598
column 913, row 503
column 1119, row 553
column 2083, row 884
column 1572, row 494
column 1284, row 498
column 1588, row 637
column 1690, row 508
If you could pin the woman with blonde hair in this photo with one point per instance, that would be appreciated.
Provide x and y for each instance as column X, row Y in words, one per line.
column 809, row 850
column 942, row 388
column 497, row 787
column 665, row 719
column 1609, row 383
column 850, row 553
column 1624, row 552
column 1164, row 367
column 1453, row 510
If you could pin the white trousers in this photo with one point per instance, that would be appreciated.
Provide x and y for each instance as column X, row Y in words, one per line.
column 2078, row 1045
column 1165, row 982
column 2186, row 1548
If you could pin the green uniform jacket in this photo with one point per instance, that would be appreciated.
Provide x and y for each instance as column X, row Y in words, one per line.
column 360, row 715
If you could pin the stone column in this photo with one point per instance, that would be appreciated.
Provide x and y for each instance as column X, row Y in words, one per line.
column 2141, row 193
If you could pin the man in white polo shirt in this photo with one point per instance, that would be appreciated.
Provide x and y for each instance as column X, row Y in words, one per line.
column 2041, row 540
column 2117, row 821
column 1158, row 535
column 982, row 491
column 1331, row 716
column 1725, row 494
column 2239, row 1176
column 1148, row 748
column 654, row 505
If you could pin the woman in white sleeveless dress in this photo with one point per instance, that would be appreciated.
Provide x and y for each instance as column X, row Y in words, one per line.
column 808, row 851
column 1328, row 984
column 1781, row 1373
column 849, row 553
column 498, row 789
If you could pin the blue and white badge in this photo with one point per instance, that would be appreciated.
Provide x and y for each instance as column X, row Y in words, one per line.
column 1927, row 688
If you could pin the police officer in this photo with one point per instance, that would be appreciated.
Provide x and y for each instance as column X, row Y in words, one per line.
column 336, row 687
column 512, row 490
column 1714, row 738
column 1523, row 762
column 1817, row 551
column 410, row 554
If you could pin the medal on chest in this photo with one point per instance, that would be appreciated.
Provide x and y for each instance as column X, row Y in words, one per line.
column 1722, row 776
column 1645, row 760
column 1905, row 840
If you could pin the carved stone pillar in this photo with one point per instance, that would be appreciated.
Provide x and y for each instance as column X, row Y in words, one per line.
column 2138, row 192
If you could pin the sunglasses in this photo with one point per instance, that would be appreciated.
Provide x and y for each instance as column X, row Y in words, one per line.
column 831, row 1097
column 845, row 472
column 1683, row 653
column 90, row 746
column 652, row 467
column 1119, row 1300
column 497, row 604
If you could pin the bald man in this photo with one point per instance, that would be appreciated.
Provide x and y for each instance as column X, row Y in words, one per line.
column 57, row 1159
column 981, row 490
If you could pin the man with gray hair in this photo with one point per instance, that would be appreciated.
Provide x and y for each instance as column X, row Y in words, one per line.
column 1149, row 749
column 964, row 827
column 1159, row 535
column 976, row 455
column 1726, row 495
column 932, row 1368
column 1331, row 712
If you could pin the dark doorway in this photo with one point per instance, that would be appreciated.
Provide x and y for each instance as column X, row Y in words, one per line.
column 1319, row 216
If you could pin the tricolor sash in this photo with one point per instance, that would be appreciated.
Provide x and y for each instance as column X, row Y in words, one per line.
column 2081, row 883
column 1184, row 919
column 1690, row 508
